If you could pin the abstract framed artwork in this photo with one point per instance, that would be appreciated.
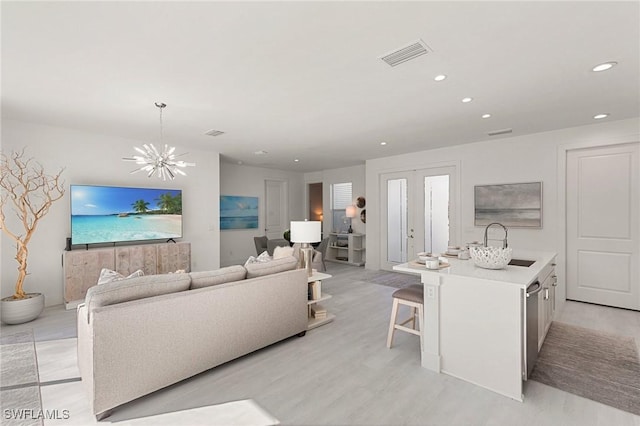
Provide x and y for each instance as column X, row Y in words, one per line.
column 516, row 205
column 238, row 212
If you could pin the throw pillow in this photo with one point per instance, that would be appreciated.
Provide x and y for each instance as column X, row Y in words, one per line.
column 280, row 252
column 107, row 276
column 263, row 258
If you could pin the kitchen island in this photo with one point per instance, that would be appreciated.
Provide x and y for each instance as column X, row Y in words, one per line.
column 475, row 320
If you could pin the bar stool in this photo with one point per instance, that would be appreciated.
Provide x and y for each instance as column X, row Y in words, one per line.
column 413, row 297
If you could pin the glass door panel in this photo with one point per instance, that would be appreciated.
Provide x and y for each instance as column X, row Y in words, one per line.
column 397, row 220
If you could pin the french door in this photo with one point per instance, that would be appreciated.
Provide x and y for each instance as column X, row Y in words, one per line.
column 418, row 213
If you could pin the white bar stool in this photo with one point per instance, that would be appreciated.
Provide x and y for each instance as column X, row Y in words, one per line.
column 413, row 297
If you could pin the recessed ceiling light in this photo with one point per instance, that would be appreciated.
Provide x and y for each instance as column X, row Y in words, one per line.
column 605, row 66
column 440, row 77
column 601, row 116
column 383, row 143
column 466, row 100
column 486, row 115
column 296, row 160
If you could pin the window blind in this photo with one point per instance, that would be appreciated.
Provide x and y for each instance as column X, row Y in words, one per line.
column 341, row 196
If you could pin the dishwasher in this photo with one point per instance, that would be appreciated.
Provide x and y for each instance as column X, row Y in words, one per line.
column 532, row 326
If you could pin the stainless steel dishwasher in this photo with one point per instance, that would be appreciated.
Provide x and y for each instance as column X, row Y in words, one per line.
column 532, row 325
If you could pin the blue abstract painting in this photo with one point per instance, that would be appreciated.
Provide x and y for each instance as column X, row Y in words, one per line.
column 238, row 212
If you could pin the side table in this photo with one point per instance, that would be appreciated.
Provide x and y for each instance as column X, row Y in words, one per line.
column 317, row 322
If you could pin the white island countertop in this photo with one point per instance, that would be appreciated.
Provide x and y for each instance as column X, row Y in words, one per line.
column 517, row 275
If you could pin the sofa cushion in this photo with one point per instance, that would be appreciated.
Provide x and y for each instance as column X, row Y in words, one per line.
column 135, row 288
column 273, row 267
column 219, row 276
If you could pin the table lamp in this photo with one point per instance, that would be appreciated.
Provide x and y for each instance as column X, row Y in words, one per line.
column 305, row 233
column 351, row 212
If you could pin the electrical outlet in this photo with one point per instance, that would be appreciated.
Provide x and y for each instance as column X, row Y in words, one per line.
column 431, row 293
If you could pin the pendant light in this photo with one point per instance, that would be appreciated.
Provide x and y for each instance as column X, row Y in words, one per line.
column 162, row 164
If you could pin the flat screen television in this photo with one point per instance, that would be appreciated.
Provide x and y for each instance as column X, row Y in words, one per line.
column 110, row 214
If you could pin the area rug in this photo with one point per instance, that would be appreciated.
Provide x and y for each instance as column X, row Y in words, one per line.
column 391, row 279
column 599, row 366
column 19, row 387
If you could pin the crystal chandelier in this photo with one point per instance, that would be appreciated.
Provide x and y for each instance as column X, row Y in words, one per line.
column 162, row 164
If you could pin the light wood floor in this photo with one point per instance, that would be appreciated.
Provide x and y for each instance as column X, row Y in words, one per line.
column 343, row 374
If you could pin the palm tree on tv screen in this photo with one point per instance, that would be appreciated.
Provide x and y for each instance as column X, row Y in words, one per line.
column 141, row 206
column 170, row 204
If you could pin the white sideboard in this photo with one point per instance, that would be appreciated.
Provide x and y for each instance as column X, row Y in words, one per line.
column 346, row 248
column 82, row 267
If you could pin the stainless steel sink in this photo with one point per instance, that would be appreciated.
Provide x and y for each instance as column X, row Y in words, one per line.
column 521, row 262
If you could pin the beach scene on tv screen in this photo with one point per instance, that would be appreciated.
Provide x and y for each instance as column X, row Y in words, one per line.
column 102, row 214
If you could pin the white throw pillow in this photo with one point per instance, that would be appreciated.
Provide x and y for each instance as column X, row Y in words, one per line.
column 280, row 252
column 107, row 276
column 263, row 258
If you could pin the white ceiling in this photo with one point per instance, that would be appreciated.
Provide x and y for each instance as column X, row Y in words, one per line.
column 304, row 79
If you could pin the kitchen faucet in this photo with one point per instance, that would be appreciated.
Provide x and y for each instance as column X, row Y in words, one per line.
column 486, row 231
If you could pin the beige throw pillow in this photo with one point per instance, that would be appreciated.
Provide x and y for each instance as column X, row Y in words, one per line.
column 281, row 252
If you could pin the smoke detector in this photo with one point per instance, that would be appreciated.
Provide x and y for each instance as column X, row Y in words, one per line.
column 406, row 53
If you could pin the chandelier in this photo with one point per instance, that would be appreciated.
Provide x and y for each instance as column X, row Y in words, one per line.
column 162, row 164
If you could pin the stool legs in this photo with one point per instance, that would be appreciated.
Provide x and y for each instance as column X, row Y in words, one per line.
column 392, row 328
column 394, row 317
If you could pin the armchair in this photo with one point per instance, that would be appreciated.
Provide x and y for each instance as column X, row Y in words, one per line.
column 276, row 242
column 261, row 244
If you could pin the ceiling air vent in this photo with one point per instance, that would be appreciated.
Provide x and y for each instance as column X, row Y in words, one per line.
column 411, row 51
column 499, row 132
column 214, row 132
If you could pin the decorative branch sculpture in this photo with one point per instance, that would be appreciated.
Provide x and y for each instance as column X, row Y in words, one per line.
column 30, row 192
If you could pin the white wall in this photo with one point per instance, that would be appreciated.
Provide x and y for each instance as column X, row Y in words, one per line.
column 510, row 160
column 97, row 159
column 236, row 245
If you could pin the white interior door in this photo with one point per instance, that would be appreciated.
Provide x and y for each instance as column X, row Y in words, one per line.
column 603, row 211
column 276, row 209
column 418, row 213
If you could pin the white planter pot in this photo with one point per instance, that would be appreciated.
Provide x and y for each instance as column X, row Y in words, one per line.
column 23, row 310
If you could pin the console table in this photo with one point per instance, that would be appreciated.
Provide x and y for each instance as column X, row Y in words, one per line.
column 346, row 248
column 82, row 267
column 315, row 322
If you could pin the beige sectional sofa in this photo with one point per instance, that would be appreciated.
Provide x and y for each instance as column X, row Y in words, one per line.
column 139, row 335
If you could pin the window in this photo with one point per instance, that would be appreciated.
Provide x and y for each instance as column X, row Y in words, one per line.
column 341, row 197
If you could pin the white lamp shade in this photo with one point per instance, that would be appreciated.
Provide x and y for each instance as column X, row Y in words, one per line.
column 351, row 211
column 305, row 231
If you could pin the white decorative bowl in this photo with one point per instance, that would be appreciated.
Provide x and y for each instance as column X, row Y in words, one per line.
column 490, row 257
column 423, row 257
